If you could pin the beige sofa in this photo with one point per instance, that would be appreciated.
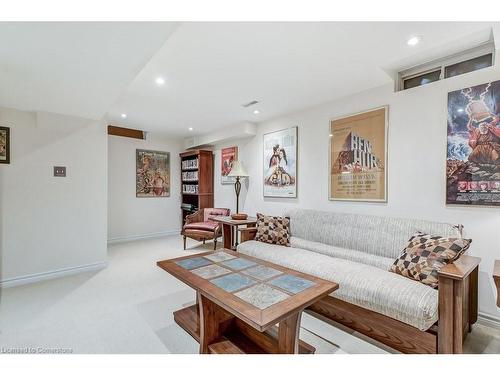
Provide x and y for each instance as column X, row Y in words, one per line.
column 356, row 251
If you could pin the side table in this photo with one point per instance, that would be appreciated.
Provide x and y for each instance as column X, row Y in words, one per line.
column 230, row 229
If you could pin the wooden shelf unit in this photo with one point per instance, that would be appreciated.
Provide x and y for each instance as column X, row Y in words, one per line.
column 204, row 198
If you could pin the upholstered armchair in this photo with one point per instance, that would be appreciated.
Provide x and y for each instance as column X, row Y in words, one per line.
column 200, row 227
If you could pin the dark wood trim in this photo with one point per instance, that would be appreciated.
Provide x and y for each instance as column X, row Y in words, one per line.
column 7, row 145
column 125, row 132
column 391, row 332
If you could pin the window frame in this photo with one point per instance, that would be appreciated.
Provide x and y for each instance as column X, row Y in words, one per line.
column 440, row 64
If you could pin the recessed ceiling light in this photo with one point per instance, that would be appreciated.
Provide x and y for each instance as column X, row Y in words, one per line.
column 190, row 129
column 160, row 81
column 460, row 110
column 414, row 40
column 256, row 112
column 124, row 115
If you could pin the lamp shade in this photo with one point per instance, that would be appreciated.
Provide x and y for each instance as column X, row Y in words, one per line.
column 237, row 170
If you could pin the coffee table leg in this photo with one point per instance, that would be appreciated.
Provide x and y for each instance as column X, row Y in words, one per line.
column 288, row 334
column 212, row 318
column 227, row 236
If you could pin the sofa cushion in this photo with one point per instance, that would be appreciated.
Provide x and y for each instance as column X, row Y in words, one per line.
column 202, row 225
column 426, row 254
column 370, row 287
column 273, row 230
column 383, row 236
column 338, row 252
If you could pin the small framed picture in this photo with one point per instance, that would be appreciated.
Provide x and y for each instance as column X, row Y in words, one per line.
column 228, row 156
column 4, row 145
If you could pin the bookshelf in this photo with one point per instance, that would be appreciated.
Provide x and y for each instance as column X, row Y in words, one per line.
column 197, row 181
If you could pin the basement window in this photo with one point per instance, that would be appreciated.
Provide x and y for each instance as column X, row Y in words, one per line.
column 464, row 62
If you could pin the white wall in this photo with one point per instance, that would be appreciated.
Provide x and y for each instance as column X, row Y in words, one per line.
column 51, row 224
column 130, row 217
column 416, row 166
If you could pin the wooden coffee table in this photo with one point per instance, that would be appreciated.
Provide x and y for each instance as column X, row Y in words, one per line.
column 240, row 301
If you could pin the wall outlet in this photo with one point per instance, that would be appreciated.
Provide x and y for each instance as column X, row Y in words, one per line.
column 59, row 171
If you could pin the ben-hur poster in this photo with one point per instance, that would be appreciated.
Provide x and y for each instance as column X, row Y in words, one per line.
column 358, row 149
column 473, row 152
column 152, row 173
column 280, row 163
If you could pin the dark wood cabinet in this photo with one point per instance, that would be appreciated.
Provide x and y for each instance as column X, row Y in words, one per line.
column 197, row 181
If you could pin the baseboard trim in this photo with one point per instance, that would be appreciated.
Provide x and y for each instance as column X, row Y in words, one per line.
column 488, row 320
column 43, row 276
column 143, row 236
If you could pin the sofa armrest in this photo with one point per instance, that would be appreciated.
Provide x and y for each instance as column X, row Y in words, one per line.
column 461, row 268
column 247, row 234
column 458, row 303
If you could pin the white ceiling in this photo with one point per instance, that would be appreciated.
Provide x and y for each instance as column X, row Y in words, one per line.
column 210, row 69
column 76, row 69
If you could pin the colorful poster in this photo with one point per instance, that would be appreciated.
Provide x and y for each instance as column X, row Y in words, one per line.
column 228, row 155
column 4, row 145
column 358, row 157
column 152, row 174
column 473, row 152
column 280, row 163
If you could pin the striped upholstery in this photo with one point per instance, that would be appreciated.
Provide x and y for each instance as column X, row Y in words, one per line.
column 382, row 236
column 356, row 251
column 367, row 286
column 338, row 252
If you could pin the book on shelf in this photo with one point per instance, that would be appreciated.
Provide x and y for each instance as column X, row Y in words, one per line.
column 190, row 164
column 190, row 176
column 190, row 189
column 189, row 207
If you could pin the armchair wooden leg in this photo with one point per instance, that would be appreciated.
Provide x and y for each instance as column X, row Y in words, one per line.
column 203, row 241
column 215, row 243
column 184, row 238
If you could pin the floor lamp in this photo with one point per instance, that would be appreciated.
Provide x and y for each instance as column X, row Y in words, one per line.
column 238, row 171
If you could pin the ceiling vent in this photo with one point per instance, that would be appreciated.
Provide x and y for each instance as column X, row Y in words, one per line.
column 249, row 104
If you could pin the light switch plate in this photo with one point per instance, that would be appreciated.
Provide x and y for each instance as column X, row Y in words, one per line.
column 59, row 171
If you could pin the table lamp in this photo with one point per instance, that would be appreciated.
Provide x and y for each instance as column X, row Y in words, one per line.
column 238, row 171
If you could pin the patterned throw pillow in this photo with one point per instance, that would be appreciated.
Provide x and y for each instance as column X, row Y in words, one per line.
column 426, row 254
column 273, row 230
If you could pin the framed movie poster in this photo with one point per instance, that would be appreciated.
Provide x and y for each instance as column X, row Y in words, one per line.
column 473, row 147
column 358, row 157
column 228, row 156
column 152, row 174
column 4, row 145
column 280, row 163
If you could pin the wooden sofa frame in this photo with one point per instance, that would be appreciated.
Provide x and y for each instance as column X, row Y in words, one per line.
column 458, row 285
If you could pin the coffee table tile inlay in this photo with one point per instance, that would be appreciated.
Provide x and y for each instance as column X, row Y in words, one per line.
column 261, row 272
column 241, row 299
column 292, row 284
column 219, row 257
column 191, row 263
column 261, row 295
column 210, row 271
column 238, row 264
column 233, row 282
